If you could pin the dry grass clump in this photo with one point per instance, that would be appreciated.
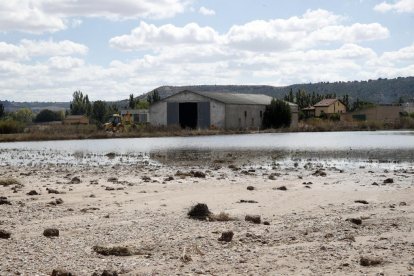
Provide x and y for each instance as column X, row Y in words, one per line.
column 114, row 251
column 222, row 216
column 5, row 182
column 199, row 211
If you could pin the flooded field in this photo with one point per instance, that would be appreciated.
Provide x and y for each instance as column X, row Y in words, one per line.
column 328, row 204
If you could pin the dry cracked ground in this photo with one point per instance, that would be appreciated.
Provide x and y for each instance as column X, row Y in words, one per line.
column 131, row 218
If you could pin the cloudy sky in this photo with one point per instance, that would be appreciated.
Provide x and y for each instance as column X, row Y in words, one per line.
column 111, row 48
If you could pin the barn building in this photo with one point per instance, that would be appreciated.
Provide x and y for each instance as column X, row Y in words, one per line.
column 190, row 109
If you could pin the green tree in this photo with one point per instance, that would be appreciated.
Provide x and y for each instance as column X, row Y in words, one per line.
column 47, row 115
column 1, row 110
column 131, row 102
column 99, row 111
column 80, row 104
column 24, row 115
column 153, row 97
column 277, row 115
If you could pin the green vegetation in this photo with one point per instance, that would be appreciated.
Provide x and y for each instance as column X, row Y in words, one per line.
column 277, row 115
column 47, row 115
column 80, row 104
column 153, row 96
column 1, row 110
column 99, row 111
column 10, row 126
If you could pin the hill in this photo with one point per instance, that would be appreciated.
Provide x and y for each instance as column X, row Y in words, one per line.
column 381, row 91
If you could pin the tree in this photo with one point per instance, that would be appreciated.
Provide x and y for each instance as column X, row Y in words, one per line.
column 99, row 111
column 277, row 115
column 153, row 97
column 1, row 110
column 24, row 115
column 47, row 115
column 80, row 104
column 131, row 102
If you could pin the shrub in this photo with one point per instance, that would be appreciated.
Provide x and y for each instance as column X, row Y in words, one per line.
column 11, row 126
column 47, row 115
column 277, row 115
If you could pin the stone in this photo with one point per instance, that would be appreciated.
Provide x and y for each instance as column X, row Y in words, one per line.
column 4, row 201
column 388, row 181
column 370, row 261
column 75, row 180
column 52, row 191
column 356, row 221
column 361, row 201
column 253, row 218
column 250, row 188
column 32, row 192
column 282, row 188
column 4, row 234
column 61, row 272
column 226, row 236
column 198, row 174
column 51, row 232
column 199, row 211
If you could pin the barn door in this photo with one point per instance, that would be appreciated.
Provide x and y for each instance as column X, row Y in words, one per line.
column 172, row 114
column 203, row 109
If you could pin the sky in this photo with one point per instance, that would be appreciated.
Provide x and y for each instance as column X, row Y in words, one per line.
column 109, row 49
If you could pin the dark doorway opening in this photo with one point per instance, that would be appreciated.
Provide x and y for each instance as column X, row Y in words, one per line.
column 188, row 115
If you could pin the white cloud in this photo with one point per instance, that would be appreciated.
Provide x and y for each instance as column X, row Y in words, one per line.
column 206, row 11
column 148, row 36
column 400, row 6
column 38, row 16
column 313, row 28
column 28, row 49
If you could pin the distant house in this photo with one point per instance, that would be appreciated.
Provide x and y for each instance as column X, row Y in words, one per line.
column 309, row 111
column 329, row 107
column 380, row 113
column 200, row 110
column 137, row 116
column 76, row 120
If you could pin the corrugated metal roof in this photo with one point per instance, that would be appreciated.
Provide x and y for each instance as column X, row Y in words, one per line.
column 326, row 102
column 231, row 98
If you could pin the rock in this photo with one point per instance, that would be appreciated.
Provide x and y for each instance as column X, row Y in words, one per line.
column 4, row 234
column 388, row 181
column 109, row 273
column 361, row 201
column 55, row 202
column 75, row 180
column 356, row 221
column 253, row 218
column 32, row 192
column 146, row 178
column 113, row 251
column 226, row 236
column 169, row 178
column 199, row 211
column 266, row 223
column 403, row 203
column 375, row 184
column 112, row 179
column 4, row 200
column 319, row 173
column 198, row 174
column 51, row 232
column 109, row 188
column 110, row 155
column 61, row 272
column 250, row 188
column 282, row 188
column 247, row 201
column 370, row 261
column 52, row 191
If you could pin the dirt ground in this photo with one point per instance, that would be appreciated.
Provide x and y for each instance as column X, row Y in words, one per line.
column 312, row 227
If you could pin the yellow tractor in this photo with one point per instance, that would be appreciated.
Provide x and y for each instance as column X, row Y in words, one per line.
column 117, row 123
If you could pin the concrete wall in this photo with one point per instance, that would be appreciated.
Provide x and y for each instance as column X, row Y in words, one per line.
column 378, row 113
column 158, row 111
column 244, row 116
column 337, row 107
column 158, row 114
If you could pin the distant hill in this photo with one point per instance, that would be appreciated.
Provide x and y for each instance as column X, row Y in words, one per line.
column 381, row 91
column 35, row 106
